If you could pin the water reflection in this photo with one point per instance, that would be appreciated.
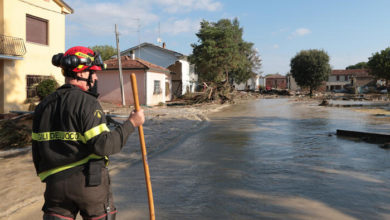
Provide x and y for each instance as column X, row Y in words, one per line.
column 272, row 159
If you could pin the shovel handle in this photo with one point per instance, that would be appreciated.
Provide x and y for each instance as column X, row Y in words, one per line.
column 143, row 149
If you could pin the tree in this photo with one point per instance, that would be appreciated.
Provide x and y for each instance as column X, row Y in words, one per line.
column 310, row 68
column 249, row 66
column 360, row 65
column 379, row 64
column 105, row 51
column 222, row 53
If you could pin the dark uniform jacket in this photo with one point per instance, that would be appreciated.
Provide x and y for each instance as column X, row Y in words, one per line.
column 69, row 129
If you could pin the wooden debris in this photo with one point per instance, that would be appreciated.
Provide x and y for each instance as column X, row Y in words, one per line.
column 366, row 136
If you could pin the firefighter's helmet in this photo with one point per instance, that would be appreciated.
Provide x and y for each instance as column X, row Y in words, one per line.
column 79, row 59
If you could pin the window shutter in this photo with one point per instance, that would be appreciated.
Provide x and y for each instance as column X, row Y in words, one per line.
column 36, row 30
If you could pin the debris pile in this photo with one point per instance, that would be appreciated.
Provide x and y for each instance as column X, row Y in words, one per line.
column 213, row 92
column 14, row 133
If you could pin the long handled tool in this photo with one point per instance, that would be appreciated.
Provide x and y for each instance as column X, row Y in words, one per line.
column 143, row 148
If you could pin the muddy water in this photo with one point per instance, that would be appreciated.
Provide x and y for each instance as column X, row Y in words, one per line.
column 272, row 159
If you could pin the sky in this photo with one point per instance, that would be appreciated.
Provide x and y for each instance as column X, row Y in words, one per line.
column 350, row 31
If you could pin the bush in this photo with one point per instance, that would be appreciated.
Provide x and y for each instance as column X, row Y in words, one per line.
column 46, row 87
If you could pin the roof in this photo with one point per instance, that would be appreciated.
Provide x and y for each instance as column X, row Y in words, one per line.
column 136, row 64
column 177, row 54
column 354, row 72
column 275, row 76
column 63, row 4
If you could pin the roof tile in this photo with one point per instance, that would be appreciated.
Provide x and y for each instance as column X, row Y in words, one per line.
column 355, row 72
column 137, row 63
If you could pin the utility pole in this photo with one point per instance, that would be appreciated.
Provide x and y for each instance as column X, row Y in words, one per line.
column 139, row 37
column 120, row 65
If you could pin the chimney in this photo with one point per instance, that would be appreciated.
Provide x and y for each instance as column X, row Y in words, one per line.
column 132, row 54
column 163, row 45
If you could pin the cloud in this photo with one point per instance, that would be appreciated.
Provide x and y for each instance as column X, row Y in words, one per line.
column 276, row 46
column 174, row 27
column 300, row 32
column 98, row 18
column 180, row 6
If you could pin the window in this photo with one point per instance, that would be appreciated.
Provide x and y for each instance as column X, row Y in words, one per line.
column 338, row 78
column 157, row 87
column 36, row 30
column 32, row 82
column 346, row 78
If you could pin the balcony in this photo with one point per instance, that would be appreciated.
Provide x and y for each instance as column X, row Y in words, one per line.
column 11, row 47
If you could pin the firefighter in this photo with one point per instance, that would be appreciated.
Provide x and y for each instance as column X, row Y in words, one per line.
column 71, row 141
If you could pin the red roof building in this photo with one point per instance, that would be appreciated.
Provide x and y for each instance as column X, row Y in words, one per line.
column 338, row 79
column 154, row 82
column 275, row 81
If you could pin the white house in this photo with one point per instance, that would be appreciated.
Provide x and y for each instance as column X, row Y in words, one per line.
column 184, row 78
column 338, row 79
column 253, row 84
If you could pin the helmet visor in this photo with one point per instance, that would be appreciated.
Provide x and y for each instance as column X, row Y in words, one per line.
column 98, row 61
column 94, row 63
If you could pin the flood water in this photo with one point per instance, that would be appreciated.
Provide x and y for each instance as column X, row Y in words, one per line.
column 271, row 159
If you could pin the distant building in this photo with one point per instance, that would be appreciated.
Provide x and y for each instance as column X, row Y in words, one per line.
column 291, row 83
column 339, row 79
column 31, row 32
column 275, row 81
column 252, row 84
column 184, row 78
column 154, row 82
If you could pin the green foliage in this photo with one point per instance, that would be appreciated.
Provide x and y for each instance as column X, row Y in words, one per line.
column 222, row 53
column 105, row 51
column 248, row 67
column 379, row 64
column 46, row 87
column 310, row 68
column 360, row 65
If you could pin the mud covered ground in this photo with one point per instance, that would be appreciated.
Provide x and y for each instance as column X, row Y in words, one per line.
column 21, row 192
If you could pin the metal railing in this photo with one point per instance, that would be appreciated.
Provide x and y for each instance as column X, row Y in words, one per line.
column 12, row 46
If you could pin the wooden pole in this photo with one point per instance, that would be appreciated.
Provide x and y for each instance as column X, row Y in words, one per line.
column 143, row 149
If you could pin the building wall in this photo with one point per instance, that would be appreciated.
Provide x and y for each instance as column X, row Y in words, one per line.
column 109, row 86
column 155, row 99
column 37, row 60
column 261, row 81
column 251, row 84
column 276, row 83
column 333, row 78
column 334, row 84
column 1, row 85
column 168, row 79
column 1, row 16
column 291, row 83
column 176, row 68
column 188, row 84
